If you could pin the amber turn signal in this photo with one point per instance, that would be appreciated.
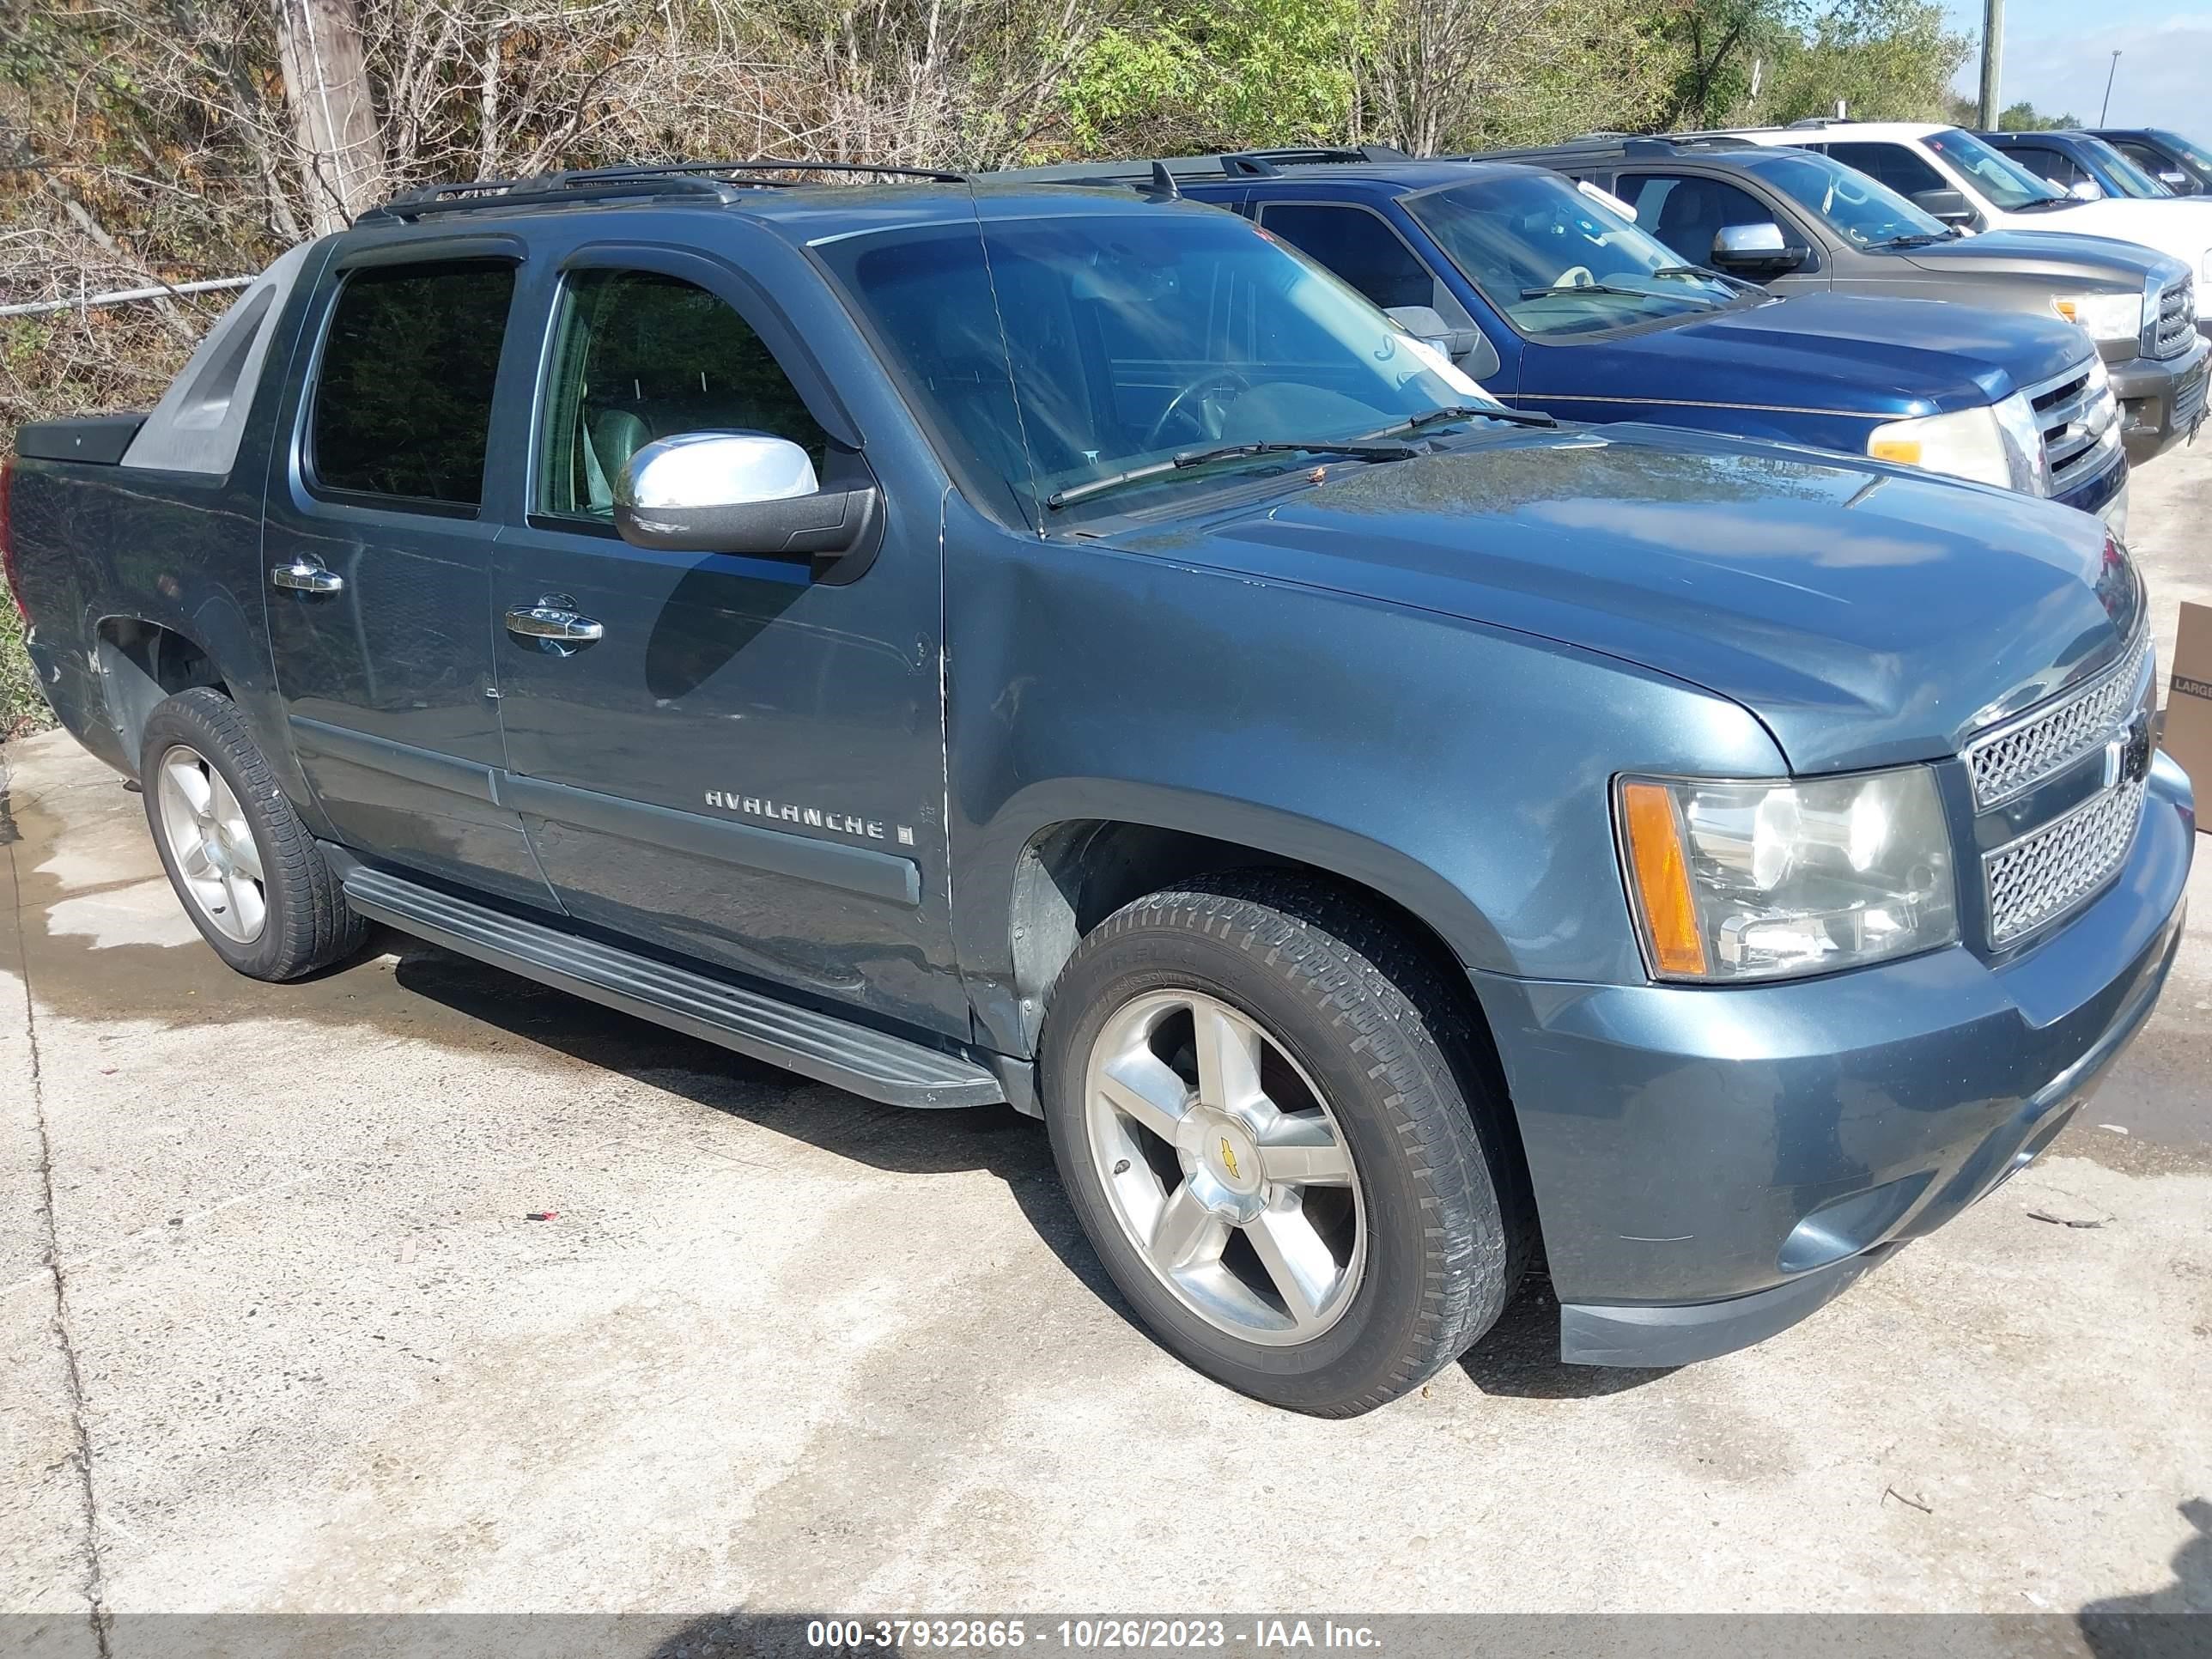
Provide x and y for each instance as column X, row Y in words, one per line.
column 1660, row 875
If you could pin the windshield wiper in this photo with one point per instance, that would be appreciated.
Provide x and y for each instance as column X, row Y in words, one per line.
column 1560, row 288
column 1358, row 448
column 1914, row 239
column 1468, row 412
column 2039, row 203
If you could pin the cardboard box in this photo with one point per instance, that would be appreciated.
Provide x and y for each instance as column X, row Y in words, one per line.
column 2187, row 735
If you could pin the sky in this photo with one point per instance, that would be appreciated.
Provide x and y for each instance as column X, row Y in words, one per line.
column 2057, row 61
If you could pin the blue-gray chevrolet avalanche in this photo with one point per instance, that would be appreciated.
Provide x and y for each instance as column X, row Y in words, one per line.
column 1036, row 645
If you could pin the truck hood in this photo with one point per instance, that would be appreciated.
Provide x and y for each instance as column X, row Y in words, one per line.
column 1866, row 614
column 2181, row 227
column 2058, row 257
column 1831, row 353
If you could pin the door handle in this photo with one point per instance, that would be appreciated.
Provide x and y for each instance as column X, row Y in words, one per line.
column 304, row 576
column 553, row 620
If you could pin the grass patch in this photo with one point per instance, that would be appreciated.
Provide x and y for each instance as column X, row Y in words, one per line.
column 23, row 709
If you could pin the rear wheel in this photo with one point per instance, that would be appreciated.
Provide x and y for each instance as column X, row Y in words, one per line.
column 249, row 874
column 1252, row 1096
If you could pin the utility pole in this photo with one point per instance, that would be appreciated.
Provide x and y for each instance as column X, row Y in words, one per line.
column 1992, row 54
column 2104, row 108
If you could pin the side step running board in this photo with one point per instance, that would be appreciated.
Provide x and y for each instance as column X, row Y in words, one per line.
column 820, row 1045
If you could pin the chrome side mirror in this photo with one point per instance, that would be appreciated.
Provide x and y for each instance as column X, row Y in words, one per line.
column 741, row 492
column 1760, row 248
column 2086, row 190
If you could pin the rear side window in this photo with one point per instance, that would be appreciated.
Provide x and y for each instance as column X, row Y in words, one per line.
column 402, row 405
column 1894, row 165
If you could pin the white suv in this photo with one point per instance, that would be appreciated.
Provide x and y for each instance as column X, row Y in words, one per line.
column 1916, row 157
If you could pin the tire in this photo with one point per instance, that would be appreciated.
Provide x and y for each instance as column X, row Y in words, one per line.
column 260, row 852
column 1362, row 1026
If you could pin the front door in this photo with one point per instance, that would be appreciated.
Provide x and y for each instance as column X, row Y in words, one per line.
column 743, row 763
column 378, row 554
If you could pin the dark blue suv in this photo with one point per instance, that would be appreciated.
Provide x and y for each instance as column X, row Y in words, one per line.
column 1554, row 299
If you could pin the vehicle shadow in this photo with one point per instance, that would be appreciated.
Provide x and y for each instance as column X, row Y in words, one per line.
column 900, row 1141
column 1520, row 1358
column 2170, row 1623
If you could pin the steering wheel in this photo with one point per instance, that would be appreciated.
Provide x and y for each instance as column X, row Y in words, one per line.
column 1221, row 380
column 1576, row 277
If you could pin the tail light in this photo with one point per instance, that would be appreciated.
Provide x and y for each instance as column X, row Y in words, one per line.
column 8, row 539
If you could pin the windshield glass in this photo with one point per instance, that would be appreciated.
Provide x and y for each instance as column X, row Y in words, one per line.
column 2131, row 178
column 2009, row 185
column 1864, row 209
column 1132, row 338
column 1556, row 262
column 2196, row 155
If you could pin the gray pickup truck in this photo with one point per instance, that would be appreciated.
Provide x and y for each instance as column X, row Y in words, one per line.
column 972, row 644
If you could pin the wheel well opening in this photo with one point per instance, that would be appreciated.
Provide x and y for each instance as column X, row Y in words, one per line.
column 142, row 664
column 1074, row 875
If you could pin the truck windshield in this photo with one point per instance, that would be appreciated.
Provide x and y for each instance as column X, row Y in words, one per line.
column 1121, row 341
column 2131, row 179
column 1558, row 263
column 2196, row 155
column 1865, row 211
column 2008, row 187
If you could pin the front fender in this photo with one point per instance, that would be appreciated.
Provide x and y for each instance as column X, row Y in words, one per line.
column 1461, row 770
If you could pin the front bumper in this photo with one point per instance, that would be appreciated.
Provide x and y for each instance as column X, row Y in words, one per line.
column 1711, row 1165
column 2161, row 400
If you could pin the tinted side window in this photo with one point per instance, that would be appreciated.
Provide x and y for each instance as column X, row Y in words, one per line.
column 642, row 356
column 1894, row 165
column 1687, row 212
column 403, row 403
column 1358, row 247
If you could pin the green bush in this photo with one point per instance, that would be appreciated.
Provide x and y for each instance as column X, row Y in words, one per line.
column 21, row 708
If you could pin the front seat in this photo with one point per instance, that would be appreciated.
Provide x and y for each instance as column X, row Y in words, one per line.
column 611, row 436
column 1689, row 219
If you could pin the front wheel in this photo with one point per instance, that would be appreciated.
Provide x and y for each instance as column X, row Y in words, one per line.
column 1252, row 1097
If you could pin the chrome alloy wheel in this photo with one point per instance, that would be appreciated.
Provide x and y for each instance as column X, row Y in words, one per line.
column 212, row 844
column 1224, row 1167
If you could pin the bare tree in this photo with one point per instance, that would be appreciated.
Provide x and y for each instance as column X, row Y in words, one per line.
column 1440, row 62
column 340, row 156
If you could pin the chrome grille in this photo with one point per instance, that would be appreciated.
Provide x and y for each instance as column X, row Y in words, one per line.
column 2046, row 872
column 2016, row 756
column 2079, row 423
column 2177, row 319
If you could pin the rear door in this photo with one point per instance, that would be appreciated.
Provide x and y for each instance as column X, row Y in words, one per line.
column 747, row 764
column 378, row 553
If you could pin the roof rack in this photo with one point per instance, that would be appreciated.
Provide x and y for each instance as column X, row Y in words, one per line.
column 720, row 182
column 1149, row 171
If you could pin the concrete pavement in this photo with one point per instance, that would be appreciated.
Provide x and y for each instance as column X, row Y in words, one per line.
column 275, row 1336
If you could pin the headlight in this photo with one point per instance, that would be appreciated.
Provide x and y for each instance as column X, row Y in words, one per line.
column 1745, row 881
column 1997, row 444
column 2117, row 317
